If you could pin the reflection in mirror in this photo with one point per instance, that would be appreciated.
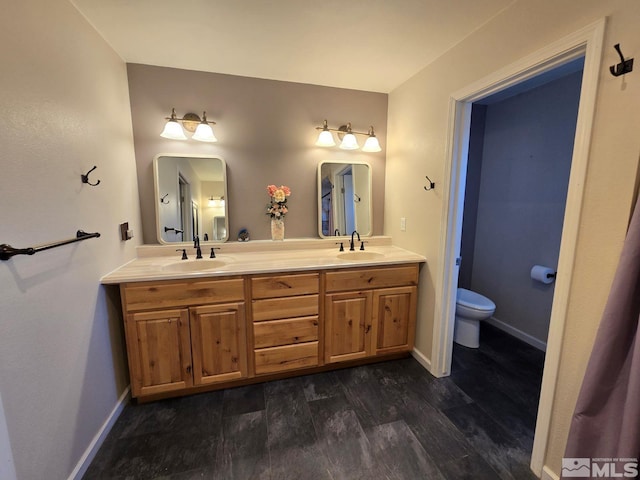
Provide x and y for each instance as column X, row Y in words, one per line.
column 191, row 194
column 344, row 198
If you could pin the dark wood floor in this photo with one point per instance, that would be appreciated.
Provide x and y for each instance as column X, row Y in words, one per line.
column 390, row 420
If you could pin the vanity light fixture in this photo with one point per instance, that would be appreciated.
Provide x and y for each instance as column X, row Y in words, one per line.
column 175, row 127
column 325, row 139
column 349, row 140
column 371, row 144
column 216, row 201
column 347, row 137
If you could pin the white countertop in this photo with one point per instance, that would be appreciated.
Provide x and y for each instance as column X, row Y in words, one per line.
column 162, row 262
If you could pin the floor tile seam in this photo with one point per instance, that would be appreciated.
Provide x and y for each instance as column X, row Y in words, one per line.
column 320, row 442
column 324, row 442
column 278, row 447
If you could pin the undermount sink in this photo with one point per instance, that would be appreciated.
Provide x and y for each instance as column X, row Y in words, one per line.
column 193, row 265
column 360, row 255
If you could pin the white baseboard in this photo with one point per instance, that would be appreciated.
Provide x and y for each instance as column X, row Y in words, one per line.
column 548, row 474
column 422, row 359
column 519, row 334
column 101, row 435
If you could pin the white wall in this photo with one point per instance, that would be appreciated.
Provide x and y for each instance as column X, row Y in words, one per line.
column 417, row 136
column 65, row 108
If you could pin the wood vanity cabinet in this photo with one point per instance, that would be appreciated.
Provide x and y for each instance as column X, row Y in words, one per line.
column 159, row 351
column 184, row 333
column 369, row 312
column 192, row 335
column 285, row 322
column 218, row 343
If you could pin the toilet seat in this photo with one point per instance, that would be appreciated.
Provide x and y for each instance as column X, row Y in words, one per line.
column 474, row 301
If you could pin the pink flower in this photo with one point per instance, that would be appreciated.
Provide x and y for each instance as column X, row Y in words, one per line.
column 286, row 190
column 277, row 206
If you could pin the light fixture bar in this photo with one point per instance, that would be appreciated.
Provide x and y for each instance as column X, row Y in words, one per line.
column 189, row 117
column 341, row 130
column 200, row 127
column 325, row 139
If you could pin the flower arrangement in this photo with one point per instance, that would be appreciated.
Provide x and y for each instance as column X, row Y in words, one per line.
column 277, row 207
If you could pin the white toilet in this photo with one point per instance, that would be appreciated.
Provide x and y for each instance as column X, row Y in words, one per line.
column 471, row 307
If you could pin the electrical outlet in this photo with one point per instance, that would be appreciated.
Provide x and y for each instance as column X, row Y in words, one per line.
column 403, row 224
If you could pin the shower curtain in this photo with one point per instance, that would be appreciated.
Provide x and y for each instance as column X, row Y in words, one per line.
column 606, row 421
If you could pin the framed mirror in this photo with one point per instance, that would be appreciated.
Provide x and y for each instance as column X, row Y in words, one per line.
column 344, row 199
column 191, row 198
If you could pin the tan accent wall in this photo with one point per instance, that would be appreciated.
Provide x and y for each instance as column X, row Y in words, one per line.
column 266, row 135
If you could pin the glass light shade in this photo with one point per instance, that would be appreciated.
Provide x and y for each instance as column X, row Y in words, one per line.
column 371, row 145
column 204, row 133
column 173, row 130
column 325, row 139
column 349, row 142
column 216, row 202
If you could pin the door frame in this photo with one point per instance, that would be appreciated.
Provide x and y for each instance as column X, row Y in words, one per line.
column 586, row 42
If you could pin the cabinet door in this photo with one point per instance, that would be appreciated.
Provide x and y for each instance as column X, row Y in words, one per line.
column 394, row 318
column 218, row 343
column 159, row 351
column 347, row 326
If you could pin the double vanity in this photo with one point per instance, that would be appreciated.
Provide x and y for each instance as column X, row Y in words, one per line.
column 262, row 310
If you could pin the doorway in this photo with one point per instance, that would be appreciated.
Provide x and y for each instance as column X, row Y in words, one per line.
column 520, row 148
column 586, row 43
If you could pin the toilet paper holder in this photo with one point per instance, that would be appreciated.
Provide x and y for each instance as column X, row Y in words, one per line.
column 543, row 274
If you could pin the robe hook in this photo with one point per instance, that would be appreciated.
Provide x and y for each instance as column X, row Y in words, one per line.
column 162, row 200
column 625, row 66
column 432, row 185
column 85, row 177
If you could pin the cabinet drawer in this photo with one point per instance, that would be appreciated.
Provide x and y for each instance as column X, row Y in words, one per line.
column 290, row 307
column 288, row 357
column 285, row 332
column 284, row 285
column 144, row 296
column 339, row 281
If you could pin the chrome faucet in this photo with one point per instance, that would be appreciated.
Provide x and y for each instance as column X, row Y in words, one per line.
column 351, row 246
column 196, row 245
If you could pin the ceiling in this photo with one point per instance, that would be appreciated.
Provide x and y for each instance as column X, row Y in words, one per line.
column 372, row 45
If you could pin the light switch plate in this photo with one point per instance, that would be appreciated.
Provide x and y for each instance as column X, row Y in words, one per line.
column 403, row 224
column 125, row 233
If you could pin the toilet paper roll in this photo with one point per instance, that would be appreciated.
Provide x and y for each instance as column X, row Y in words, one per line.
column 543, row 274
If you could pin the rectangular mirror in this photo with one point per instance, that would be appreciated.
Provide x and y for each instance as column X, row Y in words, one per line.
column 344, row 198
column 191, row 198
